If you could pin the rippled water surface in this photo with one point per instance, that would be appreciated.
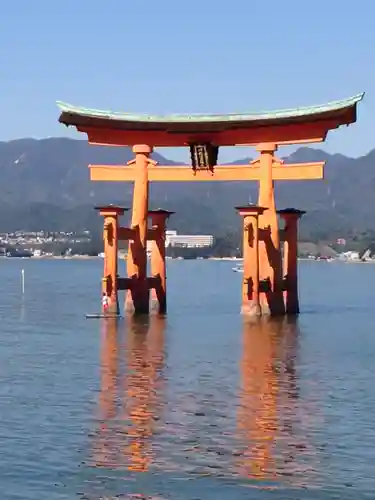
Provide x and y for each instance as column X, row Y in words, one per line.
column 197, row 406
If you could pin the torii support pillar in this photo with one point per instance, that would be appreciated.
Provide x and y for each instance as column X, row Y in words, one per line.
column 137, row 299
column 111, row 214
column 158, row 268
column 291, row 217
column 250, row 284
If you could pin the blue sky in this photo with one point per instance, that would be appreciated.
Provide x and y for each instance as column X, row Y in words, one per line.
column 185, row 56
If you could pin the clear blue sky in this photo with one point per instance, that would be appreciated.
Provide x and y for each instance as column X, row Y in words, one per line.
column 185, row 56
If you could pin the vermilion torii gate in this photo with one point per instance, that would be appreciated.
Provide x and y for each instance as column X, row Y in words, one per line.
column 269, row 286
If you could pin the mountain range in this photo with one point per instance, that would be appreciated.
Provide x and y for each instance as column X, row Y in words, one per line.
column 45, row 185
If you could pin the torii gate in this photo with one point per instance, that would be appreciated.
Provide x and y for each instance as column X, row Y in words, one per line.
column 268, row 288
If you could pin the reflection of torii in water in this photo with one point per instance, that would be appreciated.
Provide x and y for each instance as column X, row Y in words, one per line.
column 268, row 399
column 105, row 448
column 257, row 417
column 118, row 445
column 145, row 361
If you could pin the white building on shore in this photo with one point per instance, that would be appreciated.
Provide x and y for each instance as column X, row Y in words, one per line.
column 350, row 255
column 173, row 239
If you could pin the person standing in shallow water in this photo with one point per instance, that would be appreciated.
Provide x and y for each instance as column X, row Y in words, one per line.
column 105, row 302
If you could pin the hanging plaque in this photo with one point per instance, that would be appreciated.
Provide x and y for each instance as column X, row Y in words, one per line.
column 203, row 156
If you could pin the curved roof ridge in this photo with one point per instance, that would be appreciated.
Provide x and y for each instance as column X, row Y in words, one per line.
column 207, row 118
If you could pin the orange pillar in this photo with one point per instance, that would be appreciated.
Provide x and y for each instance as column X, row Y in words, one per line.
column 111, row 214
column 270, row 263
column 137, row 300
column 158, row 268
column 291, row 217
column 250, row 284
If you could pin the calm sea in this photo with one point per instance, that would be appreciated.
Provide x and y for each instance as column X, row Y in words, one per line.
column 198, row 406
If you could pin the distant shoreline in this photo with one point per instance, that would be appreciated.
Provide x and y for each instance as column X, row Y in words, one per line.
column 55, row 257
column 226, row 259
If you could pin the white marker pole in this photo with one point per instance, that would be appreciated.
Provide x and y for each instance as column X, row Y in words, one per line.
column 23, row 281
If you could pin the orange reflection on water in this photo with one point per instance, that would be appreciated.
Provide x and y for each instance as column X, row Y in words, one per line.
column 270, row 417
column 132, row 360
column 145, row 361
column 257, row 412
column 105, row 453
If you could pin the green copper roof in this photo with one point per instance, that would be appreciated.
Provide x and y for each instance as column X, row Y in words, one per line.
column 68, row 109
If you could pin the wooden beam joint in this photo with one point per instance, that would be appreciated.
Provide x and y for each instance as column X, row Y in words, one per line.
column 124, row 283
column 127, row 283
column 127, row 233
